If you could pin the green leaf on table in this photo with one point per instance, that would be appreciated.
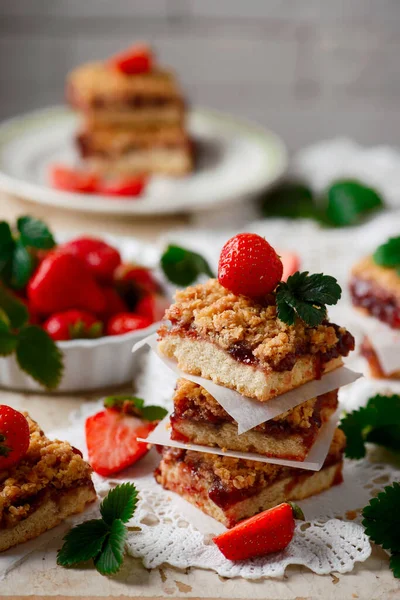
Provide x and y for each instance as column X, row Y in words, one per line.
column 378, row 422
column 388, row 254
column 22, row 266
column 348, row 200
column 8, row 339
column 6, row 244
column 290, row 199
column 14, row 308
column 38, row 355
column 35, row 233
column 83, row 542
column 110, row 560
column 120, row 503
column 182, row 267
column 382, row 518
column 395, row 564
column 305, row 296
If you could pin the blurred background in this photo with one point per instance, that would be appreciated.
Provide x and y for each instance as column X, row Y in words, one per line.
column 309, row 70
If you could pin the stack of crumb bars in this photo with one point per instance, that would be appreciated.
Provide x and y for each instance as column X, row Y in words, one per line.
column 133, row 123
column 242, row 345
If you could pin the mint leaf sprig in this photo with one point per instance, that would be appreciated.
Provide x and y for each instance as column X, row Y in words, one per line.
column 382, row 523
column 17, row 249
column 388, row 254
column 35, row 352
column 102, row 540
column 182, row 267
column 305, row 297
column 378, row 423
column 132, row 405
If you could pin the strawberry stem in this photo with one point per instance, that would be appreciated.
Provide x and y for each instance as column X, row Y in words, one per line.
column 4, row 450
column 297, row 512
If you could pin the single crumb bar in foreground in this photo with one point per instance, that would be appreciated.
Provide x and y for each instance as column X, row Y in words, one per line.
column 48, row 485
column 200, row 419
column 230, row 489
column 240, row 343
column 375, row 291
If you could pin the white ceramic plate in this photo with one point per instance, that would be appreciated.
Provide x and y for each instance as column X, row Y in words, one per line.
column 236, row 159
column 92, row 364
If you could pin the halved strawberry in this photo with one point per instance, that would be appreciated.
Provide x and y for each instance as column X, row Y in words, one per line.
column 134, row 60
column 152, row 306
column 111, row 438
column 127, row 186
column 291, row 263
column 72, row 180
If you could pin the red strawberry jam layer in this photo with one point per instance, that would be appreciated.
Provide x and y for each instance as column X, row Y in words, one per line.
column 376, row 301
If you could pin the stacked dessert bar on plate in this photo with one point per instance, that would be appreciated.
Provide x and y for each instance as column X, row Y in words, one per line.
column 133, row 122
column 240, row 343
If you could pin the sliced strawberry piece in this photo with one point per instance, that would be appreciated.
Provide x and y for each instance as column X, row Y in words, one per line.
column 111, row 439
column 126, row 322
column 270, row 531
column 73, row 180
column 134, row 60
column 101, row 258
column 128, row 186
column 152, row 306
column 73, row 324
column 291, row 263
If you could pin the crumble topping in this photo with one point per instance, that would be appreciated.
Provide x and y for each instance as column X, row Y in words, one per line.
column 47, row 463
column 298, row 417
column 383, row 277
column 212, row 312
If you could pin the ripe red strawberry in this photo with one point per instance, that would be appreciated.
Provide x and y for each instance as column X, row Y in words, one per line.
column 73, row 324
column 111, row 439
column 72, row 180
column 152, row 306
column 126, row 186
column 125, row 322
column 14, row 436
column 100, row 258
column 140, row 278
column 62, row 281
column 249, row 266
column 136, row 59
column 114, row 303
column 270, row 531
column 290, row 262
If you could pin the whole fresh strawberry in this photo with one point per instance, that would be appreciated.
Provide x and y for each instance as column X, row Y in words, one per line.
column 111, row 435
column 152, row 306
column 126, row 322
column 130, row 277
column 265, row 533
column 249, row 266
column 14, row 436
column 100, row 258
column 114, row 303
column 73, row 324
column 63, row 281
column 132, row 61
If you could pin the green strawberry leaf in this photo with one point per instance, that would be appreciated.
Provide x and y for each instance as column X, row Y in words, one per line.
column 290, row 199
column 120, row 503
column 382, row 518
column 153, row 413
column 395, row 564
column 350, row 199
column 35, row 233
column 182, row 267
column 83, row 542
column 388, row 254
column 22, row 266
column 8, row 340
column 118, row 401
column 38, row 355
column 6, row 245
column 15, row 310
column 110, row 559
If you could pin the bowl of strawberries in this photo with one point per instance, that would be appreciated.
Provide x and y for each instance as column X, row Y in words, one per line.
column 71, row 311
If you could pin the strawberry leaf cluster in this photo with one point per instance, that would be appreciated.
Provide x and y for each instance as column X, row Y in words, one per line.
column 382, row 523
column 378, row 423
column 305, row 297
column 102, row 540
column 388, row 254
column 17, row 260
column 35, row 352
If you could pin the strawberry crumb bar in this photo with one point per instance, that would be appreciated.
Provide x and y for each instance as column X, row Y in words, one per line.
column 200, row 419
column 230, row 489
column 240, row 342
column 48, row 485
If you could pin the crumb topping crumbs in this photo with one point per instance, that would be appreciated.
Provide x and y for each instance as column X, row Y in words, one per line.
column 47, row 464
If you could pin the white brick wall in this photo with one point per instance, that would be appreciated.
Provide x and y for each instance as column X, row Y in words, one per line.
column 306, row 68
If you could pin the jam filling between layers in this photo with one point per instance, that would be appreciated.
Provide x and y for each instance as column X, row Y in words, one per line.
column 226, row 496
column 376, row 301
column 86, row 149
